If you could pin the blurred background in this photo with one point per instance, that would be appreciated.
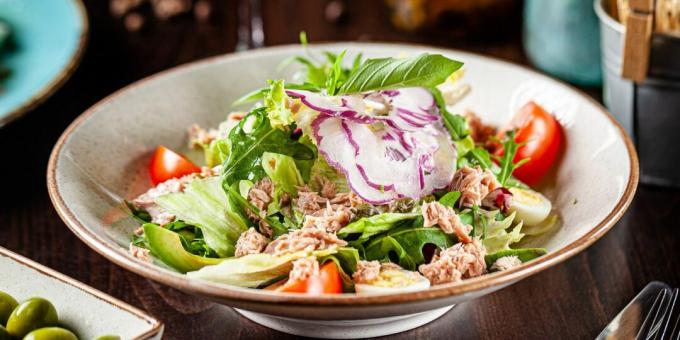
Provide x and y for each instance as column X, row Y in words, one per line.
column 132, row 39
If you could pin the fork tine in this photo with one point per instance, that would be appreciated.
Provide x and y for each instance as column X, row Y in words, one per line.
column 654, row 312
column 656, row 331
column 670, row 317
column 675, row 333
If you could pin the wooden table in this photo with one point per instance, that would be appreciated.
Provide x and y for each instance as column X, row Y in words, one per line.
column 575, row 299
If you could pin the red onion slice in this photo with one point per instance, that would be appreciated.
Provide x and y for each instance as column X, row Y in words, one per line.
column 333, row 144
column 390, row 144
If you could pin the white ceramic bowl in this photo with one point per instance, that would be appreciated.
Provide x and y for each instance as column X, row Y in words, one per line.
column 101, row 159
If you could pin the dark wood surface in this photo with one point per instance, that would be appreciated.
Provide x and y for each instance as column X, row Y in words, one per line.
column 575, row 299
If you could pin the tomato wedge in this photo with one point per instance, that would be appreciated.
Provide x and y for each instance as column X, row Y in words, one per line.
column 327, row 282
column 542, row 136
column 166, row 164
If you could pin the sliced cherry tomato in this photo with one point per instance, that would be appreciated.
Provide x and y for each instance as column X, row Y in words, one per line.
column 542, row 136
column 327, row 282
column 167, row 164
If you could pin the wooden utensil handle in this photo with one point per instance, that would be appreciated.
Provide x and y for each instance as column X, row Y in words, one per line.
column 636, row 48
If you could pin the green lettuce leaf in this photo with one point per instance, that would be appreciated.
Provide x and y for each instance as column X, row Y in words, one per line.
column 499, row 235
column 253, row 270
column 376, row 224
column 524, row 255
column 205, row 205
column 252, row 137
column 323, row 170
column 283, row 172
column 168, row 246
column 276, row 103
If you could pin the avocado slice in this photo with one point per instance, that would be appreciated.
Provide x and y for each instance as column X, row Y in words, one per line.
column 167, row 246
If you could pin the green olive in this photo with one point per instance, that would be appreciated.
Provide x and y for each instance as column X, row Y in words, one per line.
column 4, row 334
column 31, row 314
column 107, row 337
column 7, row 305
column 51, row 333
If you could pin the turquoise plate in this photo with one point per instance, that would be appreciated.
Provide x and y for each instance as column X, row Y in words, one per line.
column 49, row 38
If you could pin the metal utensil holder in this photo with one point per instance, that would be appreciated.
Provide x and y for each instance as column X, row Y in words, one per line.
column 648, row 108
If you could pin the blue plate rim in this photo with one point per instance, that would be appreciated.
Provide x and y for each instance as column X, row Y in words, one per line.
column 64, row 74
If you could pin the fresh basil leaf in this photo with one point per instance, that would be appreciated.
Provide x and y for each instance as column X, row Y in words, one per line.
column 450, row 199
column 425, row 70
column 356, row 63
column 252, row 137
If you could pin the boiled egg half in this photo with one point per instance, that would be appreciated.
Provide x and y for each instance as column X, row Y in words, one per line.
column 394, row 281
column 530, row 206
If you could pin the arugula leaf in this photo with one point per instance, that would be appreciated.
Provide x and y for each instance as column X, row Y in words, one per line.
column 425, row 70
column 252, row 137
column 314, row 74
column 506, row 163
column 336, row 75
column 252, row 96
column 450, row 198
column 405, row 246
column 456, row 124
column 140, row 215
column 480, row 156
column 277, row 227
column 373, row 225
column 303, row 38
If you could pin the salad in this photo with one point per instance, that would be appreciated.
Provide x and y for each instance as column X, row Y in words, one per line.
column 351, row 179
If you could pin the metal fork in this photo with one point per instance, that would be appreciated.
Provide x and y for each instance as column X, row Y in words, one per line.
column 663, row 320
